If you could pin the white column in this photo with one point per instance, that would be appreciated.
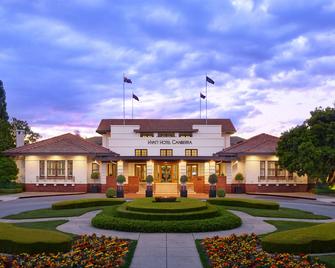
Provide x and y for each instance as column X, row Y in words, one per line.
column 206, row 171
column 211, row 167
column 150, row 168
column 229, row 173
column 103, row 173
column 182, row 168
column 119, row 167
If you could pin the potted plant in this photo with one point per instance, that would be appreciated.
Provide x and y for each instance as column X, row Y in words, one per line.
column 120, row 179
column 183, row 188
column 95, row 175
column 212, row 179
column 239, row 178
column 148, row 192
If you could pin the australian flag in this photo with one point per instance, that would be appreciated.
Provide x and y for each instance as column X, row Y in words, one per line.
column 202, row 96
column 209, row 80
column 135, row 97
column 127, row 80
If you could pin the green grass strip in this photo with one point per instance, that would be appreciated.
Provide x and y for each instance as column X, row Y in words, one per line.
column 202, row 254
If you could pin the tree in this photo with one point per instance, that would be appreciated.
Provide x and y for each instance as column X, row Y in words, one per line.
column 6, row 139
column 3, row 105
column 30, row 137
column 8, row 170
column 309, row 149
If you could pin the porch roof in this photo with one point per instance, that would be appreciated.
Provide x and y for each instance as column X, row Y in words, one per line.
column 164, row 158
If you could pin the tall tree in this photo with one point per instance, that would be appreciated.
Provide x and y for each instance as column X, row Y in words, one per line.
column 30, row 136
column 309, row 149
column 3, row 105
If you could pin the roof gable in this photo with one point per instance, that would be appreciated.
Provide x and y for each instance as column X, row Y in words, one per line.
column 63, row 144
column 260, row 144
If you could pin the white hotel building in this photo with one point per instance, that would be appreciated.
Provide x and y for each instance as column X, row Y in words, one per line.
column 163, row 148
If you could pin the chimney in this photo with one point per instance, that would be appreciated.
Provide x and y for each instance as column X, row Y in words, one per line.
column 20, row 134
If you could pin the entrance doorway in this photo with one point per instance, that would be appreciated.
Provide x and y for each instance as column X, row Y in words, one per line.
column 167, row 172
column 141, row 171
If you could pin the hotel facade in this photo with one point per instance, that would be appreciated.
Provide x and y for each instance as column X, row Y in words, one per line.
column 163, row 148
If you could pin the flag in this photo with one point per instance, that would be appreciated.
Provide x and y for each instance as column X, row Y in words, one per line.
column 209, row 80
column 135, row 97
column 202, row 96
column 127, row 80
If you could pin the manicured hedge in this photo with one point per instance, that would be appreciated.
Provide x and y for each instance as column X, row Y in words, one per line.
column 11, row 191
column 180, row 206
column 108, row 219
column 244, row 202
column 210, row 212
column 315, row 239
column 89, row 202
column 15, row 240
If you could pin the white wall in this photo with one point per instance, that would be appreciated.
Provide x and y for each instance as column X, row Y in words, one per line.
column 207, row 140
column 80, row 168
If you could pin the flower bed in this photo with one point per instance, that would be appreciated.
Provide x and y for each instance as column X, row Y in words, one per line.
column 86, row 251
column 245, row 251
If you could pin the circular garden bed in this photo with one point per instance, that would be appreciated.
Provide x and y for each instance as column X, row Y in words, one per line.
column 184, row 215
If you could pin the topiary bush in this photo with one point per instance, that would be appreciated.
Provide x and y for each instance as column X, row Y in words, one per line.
column 120, row 179
column 8, row 170
column 213, row 178
column 244, row 202
column 149, row 179
column 239, row 177
column 95, row 175
column 15, row 240
column 221, row 193
column 315, row 239
column 85, row 203
column 183, row 179
column 110, row 193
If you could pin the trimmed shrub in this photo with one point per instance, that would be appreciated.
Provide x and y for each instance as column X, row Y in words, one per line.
column 315, row 239
column 244, row 202
column 213, row 178
column 210, row 212
column 85, row 203
column 181, row 205
column 183, row 179
column 8, row 170
column 221, row 193
column 239, row 177
column 149, row 179
column 108, row 219
column 120, row 179
column 110, row 193
column 95, row 175
column 15, row 240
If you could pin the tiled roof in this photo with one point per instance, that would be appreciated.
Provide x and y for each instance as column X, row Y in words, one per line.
column 166, row 125
column 63, row 144
column 97, row 140
column 260, row 144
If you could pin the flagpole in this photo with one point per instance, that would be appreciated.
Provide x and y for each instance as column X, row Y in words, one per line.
column 124, row 103
column 206, row 98
column 132, row 105
column 200, row 104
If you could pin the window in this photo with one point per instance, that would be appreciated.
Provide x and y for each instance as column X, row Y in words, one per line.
column 191, row 170
column 141, row 171
column 262, row 169
column 166, row 134
column 70, row 168
column 42, row 168
column 274, row 170
column 219, row 169
column 95, row 167
column 166, row 152
column 185, row 134
column 191, row 152
column 56, row 168
column 141, row 152
column 111, row 169
column 146, row 135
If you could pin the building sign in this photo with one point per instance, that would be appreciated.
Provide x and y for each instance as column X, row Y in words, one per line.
column 169, row 142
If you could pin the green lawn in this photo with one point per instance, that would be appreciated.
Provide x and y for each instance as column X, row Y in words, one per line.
column 280, row 213
column 45, row 225
column 51, row 213
column 329, row 260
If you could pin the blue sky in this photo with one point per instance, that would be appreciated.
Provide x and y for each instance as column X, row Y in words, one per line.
column 62, row 61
